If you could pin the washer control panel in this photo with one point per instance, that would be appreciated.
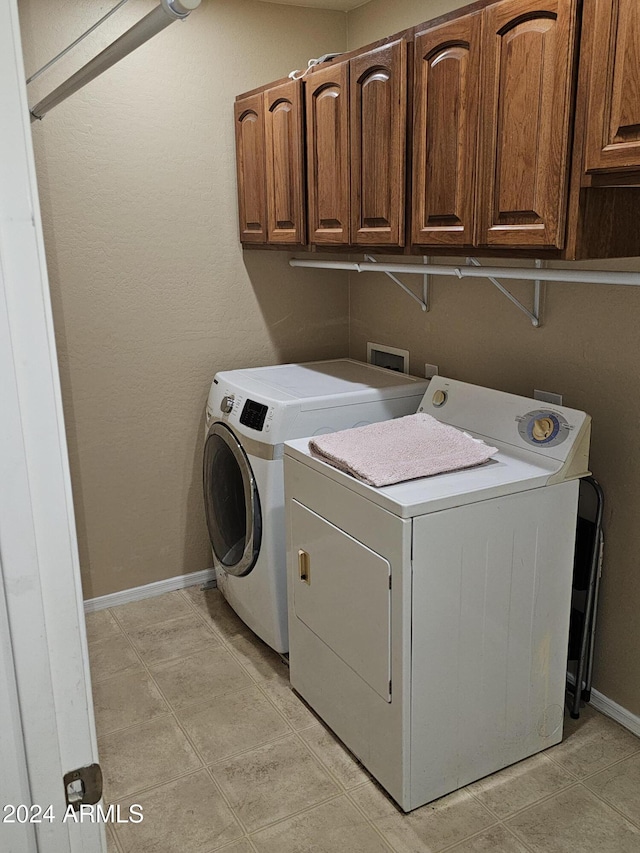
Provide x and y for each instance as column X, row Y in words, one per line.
column 543, row 427
column 253, row 415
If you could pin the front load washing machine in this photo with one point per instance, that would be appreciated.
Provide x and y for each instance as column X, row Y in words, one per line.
column 429, row 619
column 250, row 413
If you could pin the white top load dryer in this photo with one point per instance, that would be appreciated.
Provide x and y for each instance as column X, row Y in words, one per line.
column 429, row 619
column 250, row 413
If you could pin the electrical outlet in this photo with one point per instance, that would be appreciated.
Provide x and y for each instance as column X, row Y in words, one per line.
column 430, row 370
column 548, row 397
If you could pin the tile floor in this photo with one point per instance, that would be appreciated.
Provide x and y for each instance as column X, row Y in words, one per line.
column 196, row 722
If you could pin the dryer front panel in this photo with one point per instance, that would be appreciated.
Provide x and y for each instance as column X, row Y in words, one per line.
column 232, row 503
column 342, row 593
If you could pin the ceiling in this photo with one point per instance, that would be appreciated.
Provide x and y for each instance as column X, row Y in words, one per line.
column 343, row 5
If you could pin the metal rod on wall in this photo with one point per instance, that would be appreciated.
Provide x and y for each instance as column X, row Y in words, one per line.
column 514, row 273
column 166, row 13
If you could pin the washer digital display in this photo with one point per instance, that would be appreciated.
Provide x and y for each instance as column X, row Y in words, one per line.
column 543, row 428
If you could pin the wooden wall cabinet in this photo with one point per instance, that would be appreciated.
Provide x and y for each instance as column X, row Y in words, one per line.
column 512, row 151
column 328, row 161
column 492, row 129
column 284, row 144
column 250, row 166
column 270, row 166
column 378, row 104
column 613, row 97
column 528, row 55
column 356, row 149
column 445, row 133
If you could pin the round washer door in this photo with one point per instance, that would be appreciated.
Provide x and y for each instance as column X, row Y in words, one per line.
column 232, row 503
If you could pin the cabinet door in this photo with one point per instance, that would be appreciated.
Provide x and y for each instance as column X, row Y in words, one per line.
column 613, row 121
column 285, row 163
column 378, row 141
column 445, row 132
column 327, row 103
column 528, row 86
column 250, row 163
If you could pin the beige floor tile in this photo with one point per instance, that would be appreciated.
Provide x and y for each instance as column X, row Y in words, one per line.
column 232, row 723
column 185, row 816
column 260, row 661
column 159, row 608
column 202, row 676
column 575, row 821
column 288, row 703
column 241, row 846
column 172, row 639
column 112, row 657
column 620, row 785
column 340, row 763
column 112, row 846
column 520, row 785
column 498, row 839
column 211, row 604
column 428, row 829
column 273, row 782
column 144, row 756
column 126, row 700
column 101, row 626
column 333, row 827
column 592, row 743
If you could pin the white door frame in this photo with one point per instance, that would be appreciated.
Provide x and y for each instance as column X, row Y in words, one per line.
column 47, row 710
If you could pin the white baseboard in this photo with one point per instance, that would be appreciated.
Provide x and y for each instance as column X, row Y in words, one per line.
column 616, row 712
column 611, row 709
column 137, row 593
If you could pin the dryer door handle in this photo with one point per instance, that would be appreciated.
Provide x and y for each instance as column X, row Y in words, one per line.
column 304, row 566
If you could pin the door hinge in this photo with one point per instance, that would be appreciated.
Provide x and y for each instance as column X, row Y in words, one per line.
column 389, row 688
column 83, row 785
column 389, row 581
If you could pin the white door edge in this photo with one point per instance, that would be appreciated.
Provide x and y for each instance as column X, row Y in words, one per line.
column 40, row 567
column 14, row 779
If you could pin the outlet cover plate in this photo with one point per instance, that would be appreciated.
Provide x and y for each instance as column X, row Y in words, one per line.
column 548, row 397
column 430, row 370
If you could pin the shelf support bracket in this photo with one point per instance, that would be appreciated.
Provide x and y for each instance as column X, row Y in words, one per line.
column 533, row 316
column 424, row 302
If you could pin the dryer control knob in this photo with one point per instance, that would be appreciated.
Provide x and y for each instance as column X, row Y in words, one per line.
column 226, row 405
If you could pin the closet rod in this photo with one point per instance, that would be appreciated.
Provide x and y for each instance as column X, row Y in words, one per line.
column 166, row 13
column 76, row 42
column 539, row 274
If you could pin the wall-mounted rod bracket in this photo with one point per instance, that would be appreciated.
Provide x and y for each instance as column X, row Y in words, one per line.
column 474, row 269
column 533, row 316
column 424, row 302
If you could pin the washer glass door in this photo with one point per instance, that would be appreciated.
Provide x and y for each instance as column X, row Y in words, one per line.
column 232, row 504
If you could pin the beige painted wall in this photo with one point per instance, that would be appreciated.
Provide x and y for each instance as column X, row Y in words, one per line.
column 588, row 349
column 151, row 292
column 380, row 18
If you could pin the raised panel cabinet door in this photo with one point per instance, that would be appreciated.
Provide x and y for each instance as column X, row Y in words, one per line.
column 445, row 132
column 528, row 49
column 250, row 163
column 613, row 117
column 285, row 163
column 327, row 105
column 378, row 102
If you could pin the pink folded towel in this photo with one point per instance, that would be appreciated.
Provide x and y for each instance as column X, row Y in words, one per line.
column 402, row 449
